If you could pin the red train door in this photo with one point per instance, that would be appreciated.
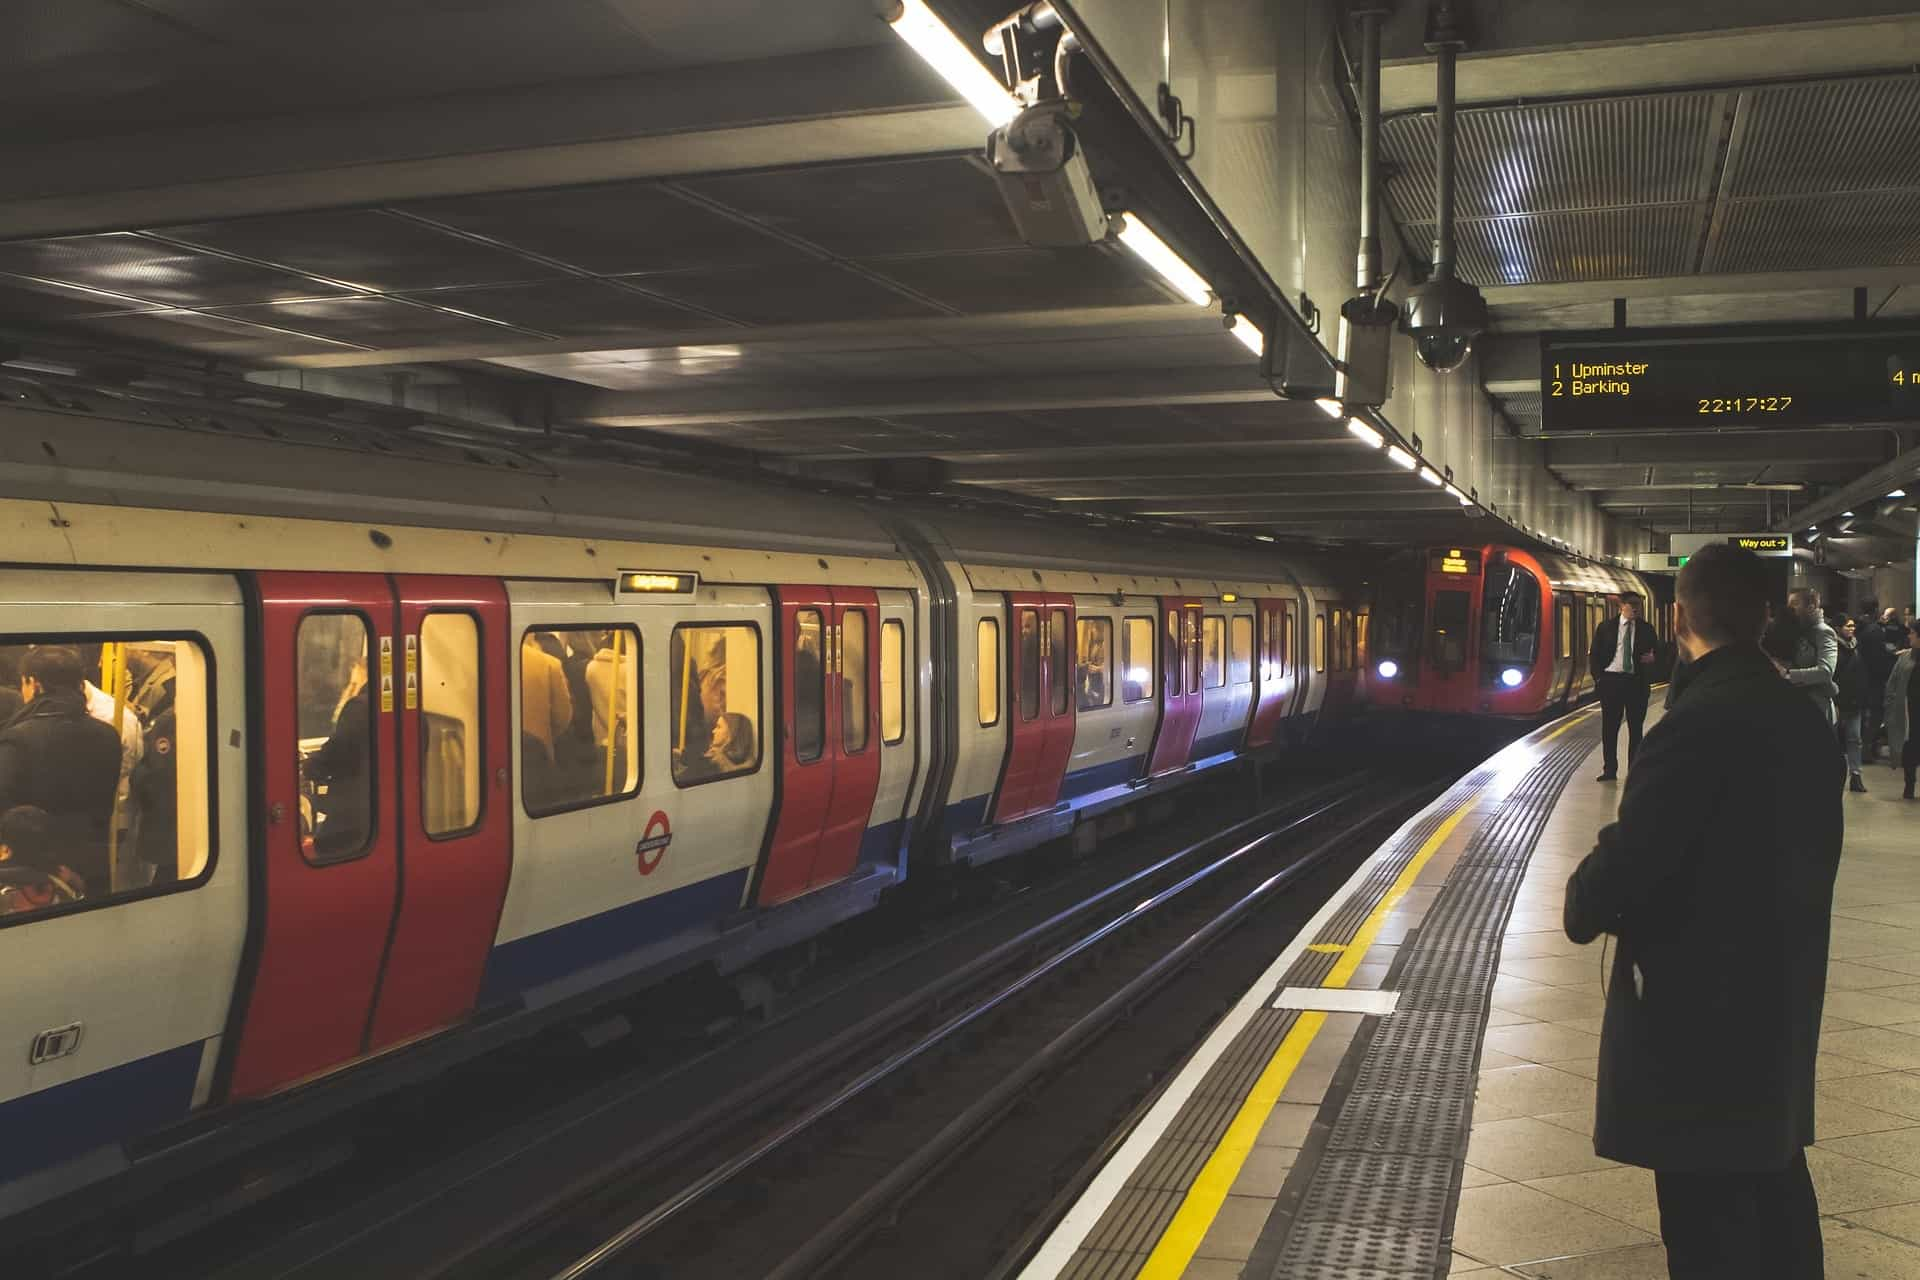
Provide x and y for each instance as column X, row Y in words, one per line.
column 1270, row 620
column 1181, row 697
column 806, row 753
column 327, row 868
column 456, row 819
column 854, row 731
column 1040, row 737
column 1449, row 681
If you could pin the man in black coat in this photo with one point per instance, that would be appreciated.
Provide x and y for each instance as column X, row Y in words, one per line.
column 1717, row 881
column 55, row 756
column 1622, row 660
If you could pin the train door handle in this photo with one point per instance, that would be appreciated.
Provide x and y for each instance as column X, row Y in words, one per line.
column 56, row 1042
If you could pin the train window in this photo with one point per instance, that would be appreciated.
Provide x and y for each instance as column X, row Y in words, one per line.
column 893, row 681
column 1136, row 659
column 1564, row 624
column 450, row 746
column 1360, row 650
column 988, row 690
column 1289, row 655
column 1027, row 626
column 713, row 699
column 1173, row 652
column 337, row 740
column 1094, row 680
column 1337, row 638
column 1320, row 641
column 117, row 800
column 1191, row 637
column 1510, row 615
column 1240, row 649
column 809, row 686
column 1213, row 645
column 573, row 756
column 853, row 680
column 1057, row 663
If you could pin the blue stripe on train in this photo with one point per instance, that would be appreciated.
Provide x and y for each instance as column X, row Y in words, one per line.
column 567, row 949
column 881, row 844
column 64, row 1121
column 1114, row 773
column 1218, row 744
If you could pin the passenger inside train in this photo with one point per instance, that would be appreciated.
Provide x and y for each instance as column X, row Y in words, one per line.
column 716, row 688
column 32, row 877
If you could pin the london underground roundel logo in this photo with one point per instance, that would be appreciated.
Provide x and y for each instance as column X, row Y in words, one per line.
column 653, row 842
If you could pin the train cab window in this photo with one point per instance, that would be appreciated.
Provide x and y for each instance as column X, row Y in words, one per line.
column 1320, row 642
column 1213, row 645
column 1093, row 680
column 853, row 681
column 1447, row 641
column 713, row 699
column 1057, row 662
column 987, row 690
column 450, row 745
column 573, row 756
column 105, row 770
column 337, row 751
column 1510, row 615
column 1240, row 649
column 1136, row 659
column 1027, row 625
column 809, row 686
column 893, row 681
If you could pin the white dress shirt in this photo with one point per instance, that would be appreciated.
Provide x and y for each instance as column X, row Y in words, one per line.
column 1619, row 664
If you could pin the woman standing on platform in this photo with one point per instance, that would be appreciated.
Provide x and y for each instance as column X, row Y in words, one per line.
column 1903, row 712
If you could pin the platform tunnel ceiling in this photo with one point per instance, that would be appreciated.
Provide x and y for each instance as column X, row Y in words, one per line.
column 874, row 315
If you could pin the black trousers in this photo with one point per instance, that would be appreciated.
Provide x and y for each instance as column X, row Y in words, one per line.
column 1620, row 696
column 1741, row 1226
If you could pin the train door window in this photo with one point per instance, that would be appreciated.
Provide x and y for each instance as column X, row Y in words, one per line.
column 853, row 680
column 1191, row 625
column 1360, row 649
column 809, row 686
column 573, row 756
column 123, row 808
column 893, row 681
column 1057, row 663
column 1288, row 653
column 1027, row 634
column 337, row 720
column 1337, row 640
column 1094, row 679
column 1240, row 649
column 1448, row 639
column 1213, row 646
column 1173, row 652
column 714, row 699
column 1136, row 659
column 1563, row 616
column 1320, row 641
column 987, row 690
column 450, row 744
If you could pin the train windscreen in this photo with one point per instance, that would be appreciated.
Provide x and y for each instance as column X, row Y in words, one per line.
column 1510, row 625
column 1449, row 635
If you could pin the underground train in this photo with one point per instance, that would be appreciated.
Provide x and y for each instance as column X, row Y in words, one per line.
column 435, row 743
column 1495, row 631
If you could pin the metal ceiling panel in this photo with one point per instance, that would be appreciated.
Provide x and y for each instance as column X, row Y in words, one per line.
column 798, row 293
column 373, row 322
column 941, row 204
column 1826, row 137
column 663, row 368
column 1589, row 154
column 620, row 228
column 209, row 334
column 365, row 247
column 1861, row 229
column 1026, row 279
column 46, row 300
column 172, row 275
column 570, row 308
column 1187, row 351
column 1601, row 244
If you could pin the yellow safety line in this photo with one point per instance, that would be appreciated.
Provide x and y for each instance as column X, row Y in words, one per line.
column 1201, row 1205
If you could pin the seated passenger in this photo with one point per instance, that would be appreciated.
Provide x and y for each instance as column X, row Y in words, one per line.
column 32, row 877
column 344, row 764
column 730, row 749
column 55, row 756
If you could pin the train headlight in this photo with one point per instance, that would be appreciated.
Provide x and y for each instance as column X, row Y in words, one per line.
column 1388, row 669
column 1513, row 677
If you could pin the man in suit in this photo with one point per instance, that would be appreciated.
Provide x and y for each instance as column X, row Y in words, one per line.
column 1717, row 882
column 1624, row 650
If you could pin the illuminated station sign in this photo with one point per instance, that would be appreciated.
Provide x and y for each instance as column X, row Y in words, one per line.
column 1621, row 380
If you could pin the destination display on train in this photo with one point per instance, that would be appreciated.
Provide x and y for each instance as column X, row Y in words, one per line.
column 1636, row 379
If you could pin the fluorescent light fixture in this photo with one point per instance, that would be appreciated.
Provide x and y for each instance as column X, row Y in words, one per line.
column 1361, row 431
column 1249, row 335
column 1166, row 264
column 1431, row 476
column 1897, row 493
column 1846, row 515
column 1813, row 528
column 1465, row 501
column 1263, row 537
column 1331, row 407
column 1401, row 458
column 935, row 42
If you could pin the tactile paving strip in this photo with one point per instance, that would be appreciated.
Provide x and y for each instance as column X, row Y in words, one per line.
column 1126, row 1234
column 1380, row 1201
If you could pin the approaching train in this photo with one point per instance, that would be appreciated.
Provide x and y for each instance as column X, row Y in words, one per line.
column 1495, row 630
column 428, row 744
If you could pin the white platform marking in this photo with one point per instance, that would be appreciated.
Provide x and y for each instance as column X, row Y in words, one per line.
column 1338, row 1000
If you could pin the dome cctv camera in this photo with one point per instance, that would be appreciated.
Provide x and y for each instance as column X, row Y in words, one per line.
column 1444, row 316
